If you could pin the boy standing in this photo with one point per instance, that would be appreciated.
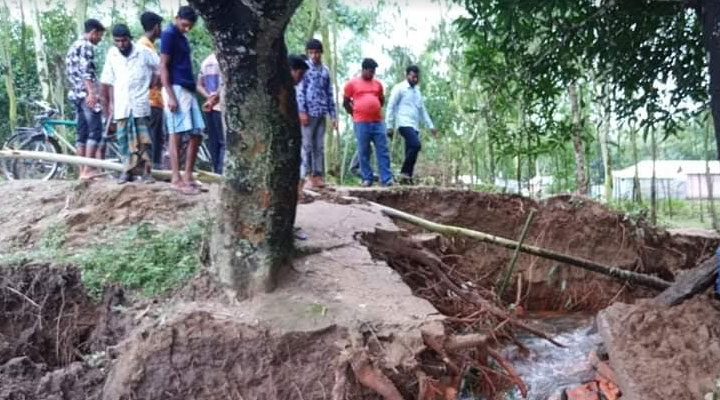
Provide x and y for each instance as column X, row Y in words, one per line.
column 315, row 100
column 152, row 25
column 84, row 94
column 182, row 111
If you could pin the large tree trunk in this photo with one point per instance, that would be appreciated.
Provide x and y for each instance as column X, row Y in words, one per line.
column 578, row 147
column 253, row 236
column 710, row 15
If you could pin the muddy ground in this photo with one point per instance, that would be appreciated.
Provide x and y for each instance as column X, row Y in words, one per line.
column 344, row 311
column 574, row 226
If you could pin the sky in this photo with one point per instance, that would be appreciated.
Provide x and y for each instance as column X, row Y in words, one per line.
column 410, row 27
column 406, row 23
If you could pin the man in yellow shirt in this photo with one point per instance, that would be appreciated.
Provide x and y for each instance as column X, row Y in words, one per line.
column 152, row 24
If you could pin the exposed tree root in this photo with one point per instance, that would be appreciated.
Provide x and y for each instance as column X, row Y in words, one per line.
column 371, row 377
column 473, row 308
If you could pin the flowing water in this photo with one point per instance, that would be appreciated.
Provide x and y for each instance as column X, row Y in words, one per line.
column 550, row 369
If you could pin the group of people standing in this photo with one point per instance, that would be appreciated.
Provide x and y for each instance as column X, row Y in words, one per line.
column 146, row 99
column 363, row 99
column 151, row 107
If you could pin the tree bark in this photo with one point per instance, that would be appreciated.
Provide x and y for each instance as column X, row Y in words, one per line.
column 43, row 70
column 7, row 66
column 637, row 190
column 604, row 138
column 653, row 180
column 710, row 18
column 578, row 147
column 81, row 15
column 709, row 178
column 253, row 236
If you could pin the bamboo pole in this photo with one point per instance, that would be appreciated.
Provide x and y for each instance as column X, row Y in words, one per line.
column 625, row 275
column 516, row 253
column 203, row 176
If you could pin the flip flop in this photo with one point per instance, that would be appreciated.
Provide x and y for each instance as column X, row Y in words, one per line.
column 199, row 186
column 186, row 190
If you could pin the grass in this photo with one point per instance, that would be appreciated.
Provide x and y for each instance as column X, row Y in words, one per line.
column 142, row 257
column 671, row 214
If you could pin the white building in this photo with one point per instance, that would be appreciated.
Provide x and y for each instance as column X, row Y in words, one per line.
column 677, row 179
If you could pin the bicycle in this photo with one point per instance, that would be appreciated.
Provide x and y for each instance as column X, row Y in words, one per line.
column 46, row 138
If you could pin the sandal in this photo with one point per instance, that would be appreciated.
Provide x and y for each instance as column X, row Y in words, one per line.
column 186, row 190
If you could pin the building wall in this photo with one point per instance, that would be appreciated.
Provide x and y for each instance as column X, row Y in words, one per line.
column 698, row 188
column 666, row 188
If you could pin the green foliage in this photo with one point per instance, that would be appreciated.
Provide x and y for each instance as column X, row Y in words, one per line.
column 631, row 44
column 145, row 258
column 141, row 258
column 54, row 237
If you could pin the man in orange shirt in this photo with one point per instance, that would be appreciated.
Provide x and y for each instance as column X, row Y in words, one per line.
column 364, row 100
column 152, row 24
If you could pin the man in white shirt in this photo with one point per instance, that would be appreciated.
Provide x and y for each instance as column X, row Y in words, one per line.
column 128, row 74
column 406, row 109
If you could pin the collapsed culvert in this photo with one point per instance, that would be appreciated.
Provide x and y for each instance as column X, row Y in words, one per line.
column 576, row 227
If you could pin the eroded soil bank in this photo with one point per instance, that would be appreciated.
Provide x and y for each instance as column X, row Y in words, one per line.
column 367, row 303
column 576, row 226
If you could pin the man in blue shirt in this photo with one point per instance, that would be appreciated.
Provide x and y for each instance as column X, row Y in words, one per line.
column 182, row 111
column 406, row 109
column 315, row 99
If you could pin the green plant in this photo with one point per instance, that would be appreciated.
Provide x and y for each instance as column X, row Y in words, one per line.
column 54, row 237
column 145, row 258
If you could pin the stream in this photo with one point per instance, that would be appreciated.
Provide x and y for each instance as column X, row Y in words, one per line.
column 550, row 369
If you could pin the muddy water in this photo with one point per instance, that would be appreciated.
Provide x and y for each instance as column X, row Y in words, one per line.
column 549, row 369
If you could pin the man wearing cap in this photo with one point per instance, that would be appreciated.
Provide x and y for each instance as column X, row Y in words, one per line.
column 129, row 72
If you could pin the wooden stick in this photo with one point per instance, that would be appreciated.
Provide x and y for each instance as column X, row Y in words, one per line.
column 516, row 253
column 621, row 274
column 164, row 175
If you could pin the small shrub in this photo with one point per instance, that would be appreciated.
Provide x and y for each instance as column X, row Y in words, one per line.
column 144, row 258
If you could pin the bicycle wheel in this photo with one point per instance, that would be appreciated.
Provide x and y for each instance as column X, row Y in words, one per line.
column 29, row 168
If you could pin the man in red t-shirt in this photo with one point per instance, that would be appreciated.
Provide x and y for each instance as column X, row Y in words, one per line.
column 364, row 100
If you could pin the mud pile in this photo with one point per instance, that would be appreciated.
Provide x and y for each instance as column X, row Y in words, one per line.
column 575, row 226
column 86, row 212
column 664, row 353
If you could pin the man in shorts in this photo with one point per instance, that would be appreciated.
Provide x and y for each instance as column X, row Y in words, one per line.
column 182, row 111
